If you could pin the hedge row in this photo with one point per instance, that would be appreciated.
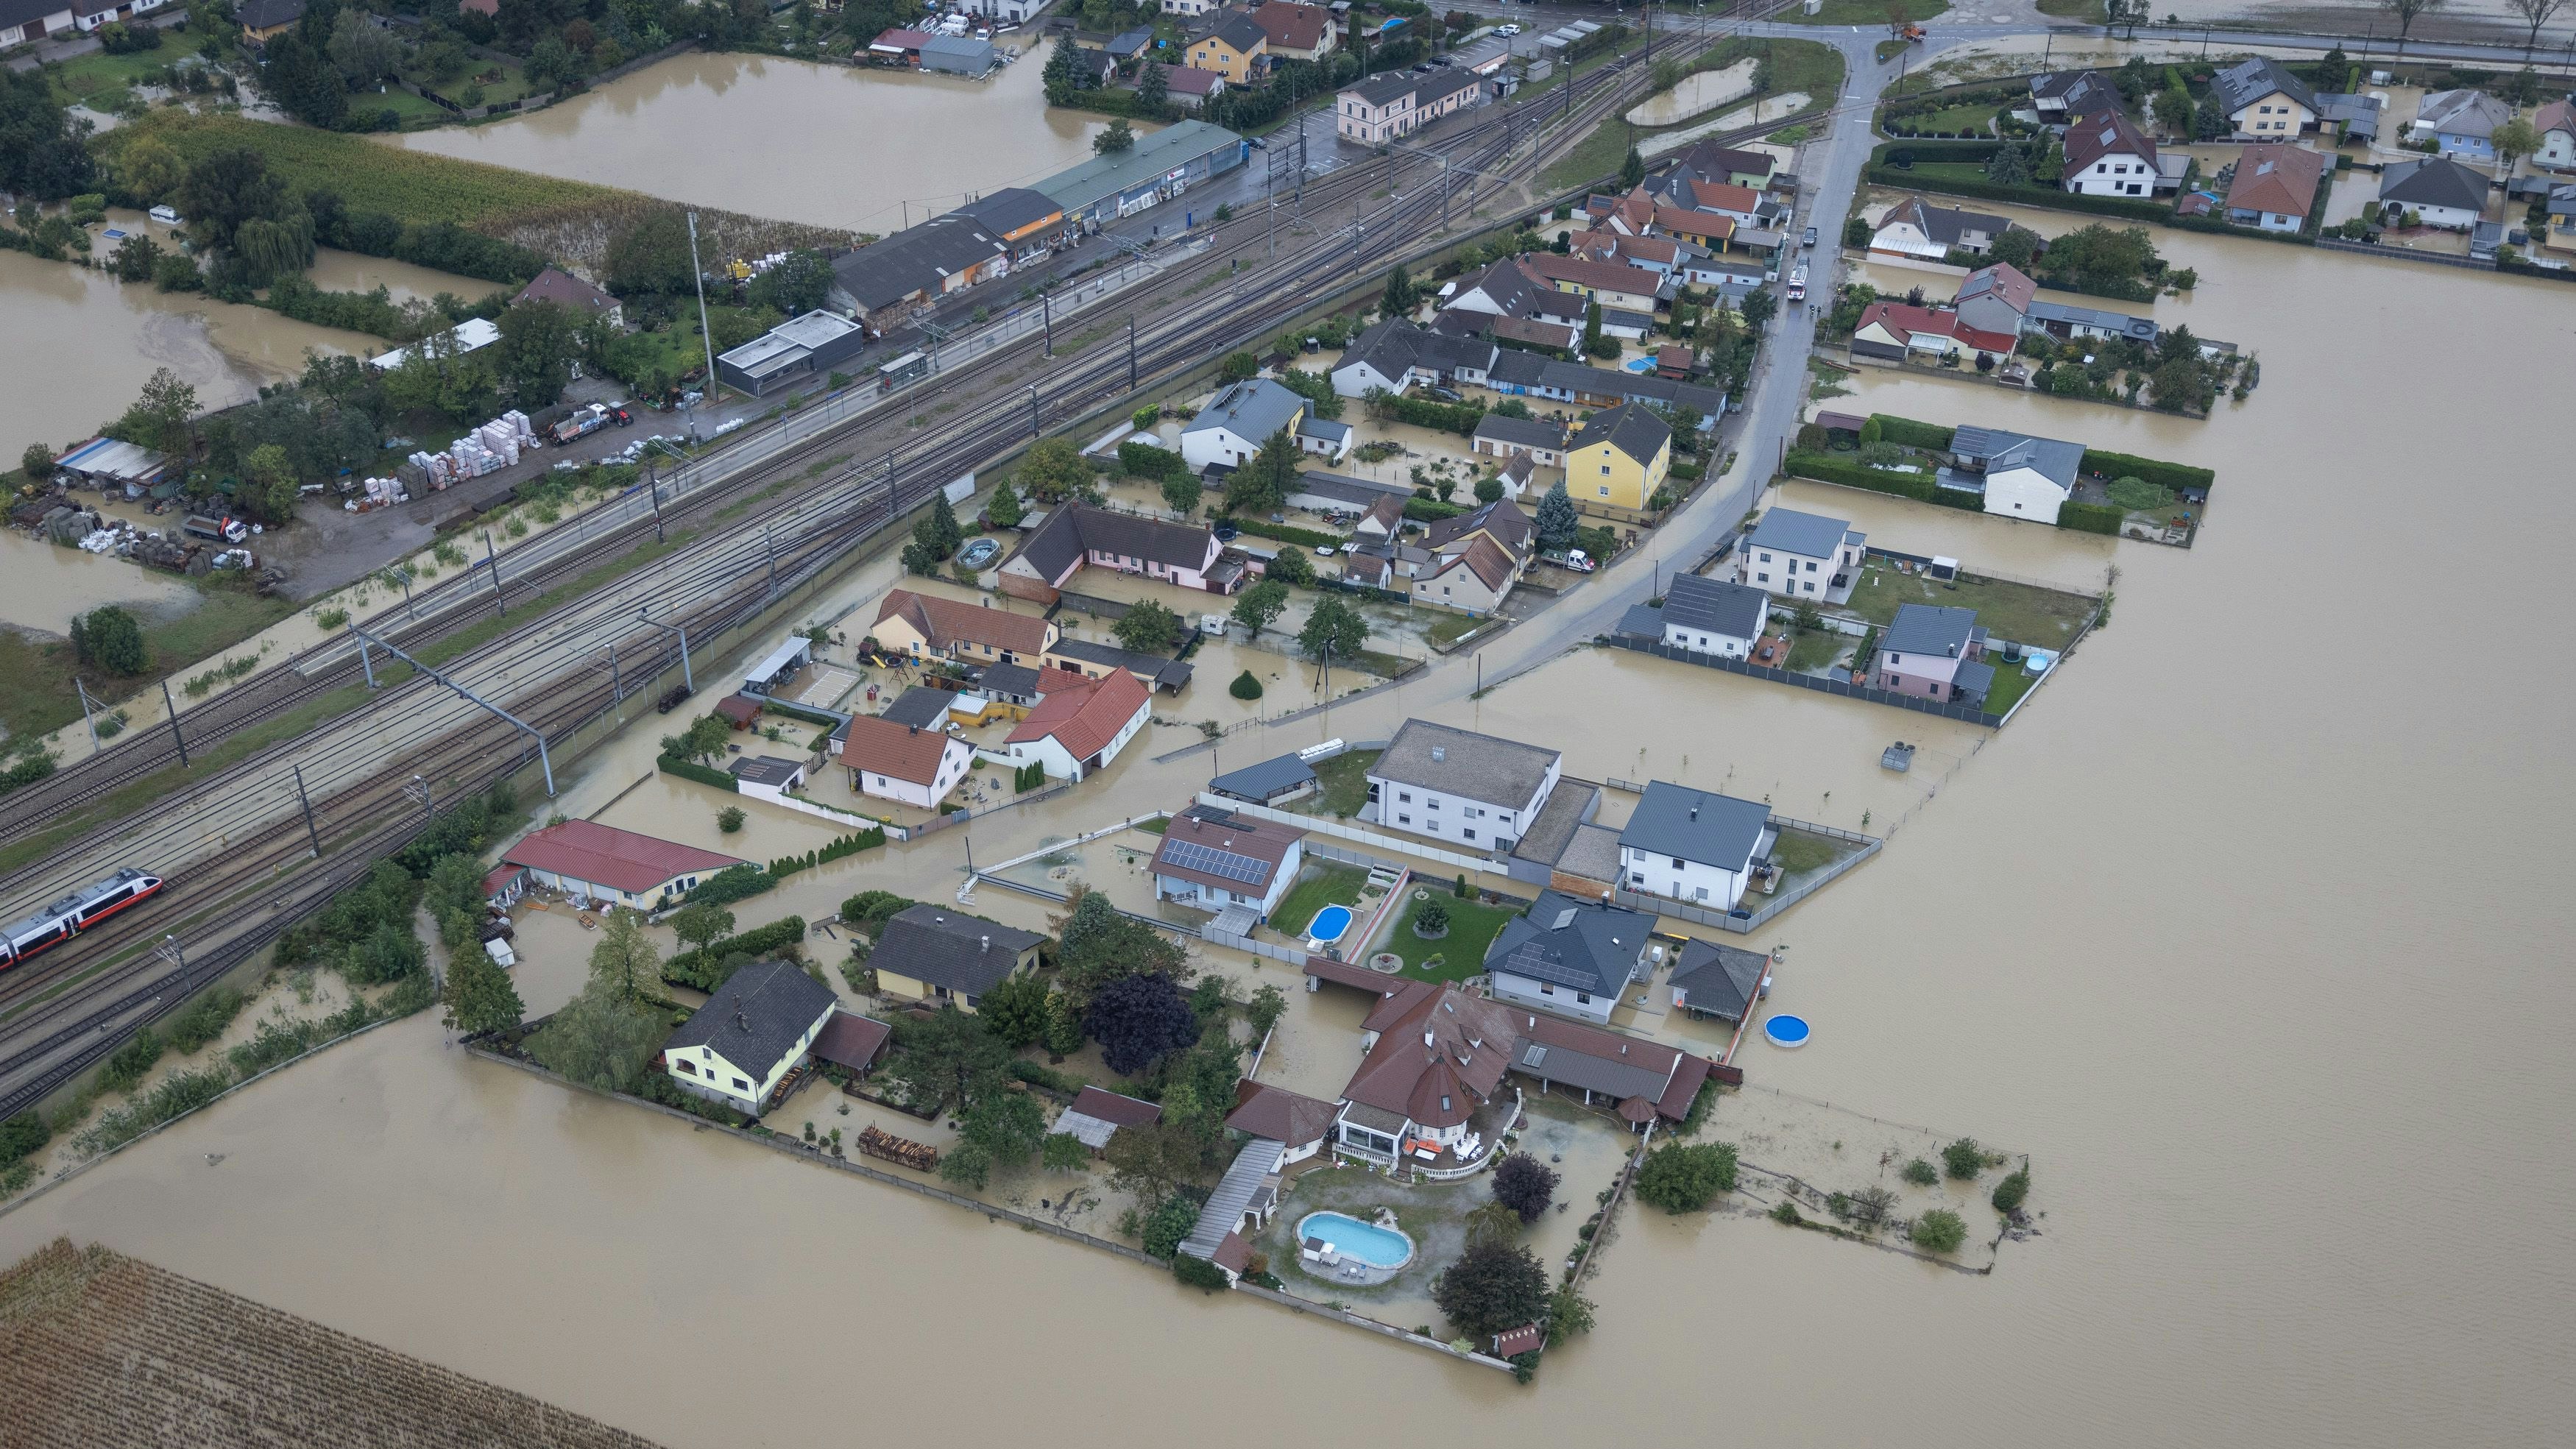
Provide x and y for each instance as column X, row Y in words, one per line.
column 704, row 970
column 2175, row 476
column 1288, row 533
column 1936, row 151
column 733, row 883
column 2090, row 518
column 2027, row 195
column 1432, row 510
column 1906, row 432
column 798, row 711
column 1149, row 460
column 692, row 770
column 1825, row 468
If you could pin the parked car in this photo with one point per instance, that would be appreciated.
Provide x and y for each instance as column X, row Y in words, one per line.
column 1809, row 239
column 1507, row 31
column 1444, row 394
column 1324, row 550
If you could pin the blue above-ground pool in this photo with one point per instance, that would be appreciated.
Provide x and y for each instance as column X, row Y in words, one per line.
column 1330, row 924
column 1786, row 1031
column 1378, row 1247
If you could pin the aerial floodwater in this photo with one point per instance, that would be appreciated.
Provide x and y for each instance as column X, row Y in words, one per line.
column 2243, row 930
column 832, row 145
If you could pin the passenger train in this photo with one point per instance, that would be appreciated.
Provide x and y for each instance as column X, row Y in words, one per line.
column 74, row 914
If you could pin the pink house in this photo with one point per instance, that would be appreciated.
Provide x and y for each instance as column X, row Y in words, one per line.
column 1187, row 555
column 1934, row 653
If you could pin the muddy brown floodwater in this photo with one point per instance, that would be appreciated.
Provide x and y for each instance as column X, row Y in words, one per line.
column 832, row 145
column 2242, row 931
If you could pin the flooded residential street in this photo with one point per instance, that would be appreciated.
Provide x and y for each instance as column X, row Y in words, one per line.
column 2241, row 931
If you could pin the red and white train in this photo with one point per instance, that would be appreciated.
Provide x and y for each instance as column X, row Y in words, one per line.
column 74, row 914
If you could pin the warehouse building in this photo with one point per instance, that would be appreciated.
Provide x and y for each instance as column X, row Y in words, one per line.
column 1161, row 166
column 814, row 345
column 594, row 862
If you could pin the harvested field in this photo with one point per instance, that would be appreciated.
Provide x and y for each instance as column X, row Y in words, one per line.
column 561, row 218
column 106, row 1350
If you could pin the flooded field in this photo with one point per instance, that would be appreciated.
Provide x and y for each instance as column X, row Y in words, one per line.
column 833, row 145
column 2149, row 935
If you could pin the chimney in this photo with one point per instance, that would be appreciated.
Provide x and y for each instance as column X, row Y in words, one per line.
column 1694, row 812
column 1605, row 900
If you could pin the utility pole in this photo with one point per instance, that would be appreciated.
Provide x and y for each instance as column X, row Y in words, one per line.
column 492, row 556
column 311, row 834
column 705, row 336
column 686, row 677
column 1131, row 353
column 653, row 486
column 171, row 951
column 404, row 573
column 176, row 738
column 1035, row 431
column 419, row 790
column 1046, row 314
column 85, row 714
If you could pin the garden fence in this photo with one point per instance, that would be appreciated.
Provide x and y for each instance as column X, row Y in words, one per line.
column 1963, row 713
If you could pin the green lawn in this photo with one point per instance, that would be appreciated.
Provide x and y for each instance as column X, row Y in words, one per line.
column 1930, row 174
column 1448, row 627
column 2091, row 10
column 2011, row 683
column 1461, row 953
column 1595, row 156
column 2023, row 613
column 89, row 75
column 1867, row 12
column 1815, row 649
column 1954, row 118
column 1321, row 885
column 1344, row 784
column 40, row 696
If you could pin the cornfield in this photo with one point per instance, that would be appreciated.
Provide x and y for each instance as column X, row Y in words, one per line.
column 105, row 1350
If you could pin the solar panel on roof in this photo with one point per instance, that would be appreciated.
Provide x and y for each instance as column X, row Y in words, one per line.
column 1222, row 863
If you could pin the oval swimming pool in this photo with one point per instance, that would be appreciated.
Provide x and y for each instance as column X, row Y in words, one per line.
column 1329, row 924
column 1378, row 1247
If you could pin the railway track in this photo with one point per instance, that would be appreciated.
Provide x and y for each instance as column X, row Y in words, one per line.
column 363, row 799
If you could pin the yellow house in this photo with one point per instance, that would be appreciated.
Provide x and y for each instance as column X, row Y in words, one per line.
column 1231, row 48
column 940, row 956
column 926, row 624
column 755, row 1029
column 1620, row 458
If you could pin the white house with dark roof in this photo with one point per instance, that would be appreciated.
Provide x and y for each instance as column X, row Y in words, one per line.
column 2056, row 95
column 2020, row 476
column 1075, row 537
column 1238, row 420
column 1915, row 227
column 1712, row 616
column 2441, row 192
column 1801, row 556
column 1569, row 956
column 2107, row 155
column 1503, row 289
column 1213, row 859
column 1693, row 845
column 1458, row 786
column 1381, row 357
column 755, row 1029
column 1506, row 437
column 2556, row 123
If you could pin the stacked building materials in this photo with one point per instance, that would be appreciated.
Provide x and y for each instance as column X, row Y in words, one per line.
column 519, row 424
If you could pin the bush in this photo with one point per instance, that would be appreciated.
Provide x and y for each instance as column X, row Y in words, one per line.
column 205, row 1019
column 1431, row 920
column 691, row 770
column 1199, row 1273
column 1964, row 1159
column 1525, row 1185
column 1148, row 460
column 1169, row 1223
column 1245, row 686
column 1682, row 1179
column 1940, row 1231
column 22, row 1137
column 126, row 1068
column 733, row 883
column 1920, row 1173
column 730, row 819
column 2010, row 1193
column 2090, row 518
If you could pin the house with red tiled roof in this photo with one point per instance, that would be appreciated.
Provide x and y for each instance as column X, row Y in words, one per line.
column 906, row 762
column 1613, row 284
column 567, row 291
column 1079, row 728
column 1216, row 860
column 1896, row 331
column 1297, row 1122
column 2275, row 186
column 1700, row 228
column 1435, row 1063
column 919, row 624
column 619, row 867
column 1995, row 298
column 1300, row 32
